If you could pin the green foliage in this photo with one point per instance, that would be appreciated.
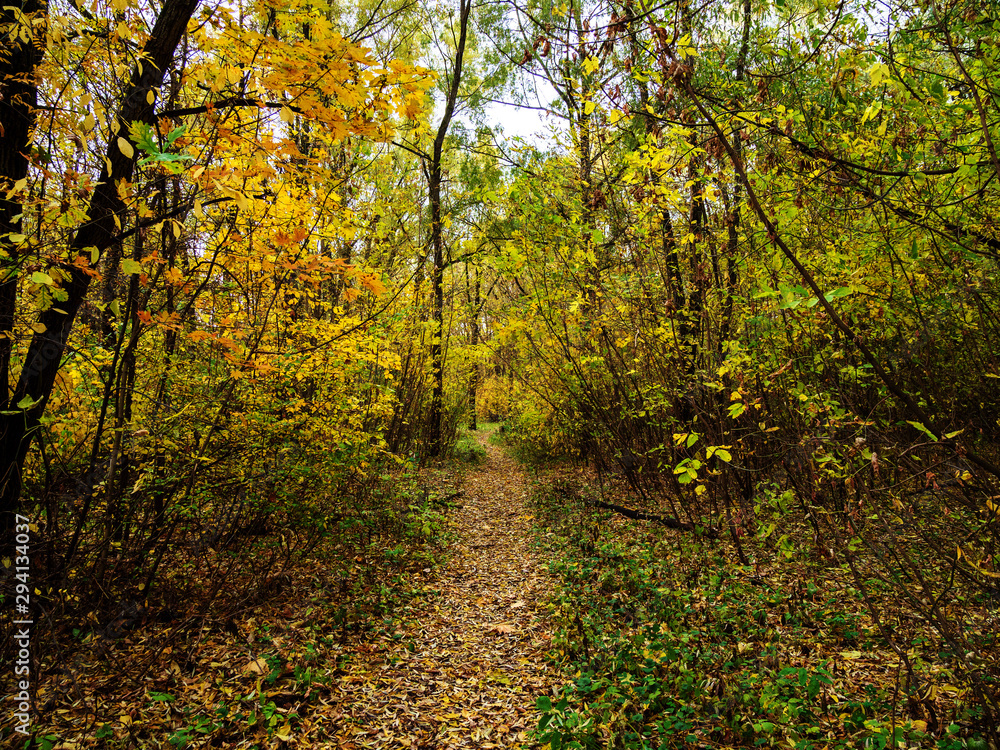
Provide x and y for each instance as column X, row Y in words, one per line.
column 467, row 450
column 668, row 643
column 754, row 281
column 765, row 300
column 539, row 435
column 142, row 134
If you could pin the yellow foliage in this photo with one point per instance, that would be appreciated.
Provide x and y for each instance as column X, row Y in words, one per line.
column 493, row 399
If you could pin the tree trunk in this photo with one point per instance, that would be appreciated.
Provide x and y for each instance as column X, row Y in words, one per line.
column 18, row 98
column 435, row 438
column 735, row 206
column 474, row 373
column 99, row 230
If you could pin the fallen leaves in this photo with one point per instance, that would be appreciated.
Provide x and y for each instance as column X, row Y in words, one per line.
column 465, row 670
column 460, row 666
column 257, row 666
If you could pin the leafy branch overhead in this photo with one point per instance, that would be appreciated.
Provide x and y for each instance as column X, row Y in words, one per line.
column 141, row 134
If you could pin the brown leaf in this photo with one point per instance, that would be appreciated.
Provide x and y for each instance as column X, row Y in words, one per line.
column 256, row 666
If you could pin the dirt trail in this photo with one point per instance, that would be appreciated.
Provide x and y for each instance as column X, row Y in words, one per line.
column 465, row 672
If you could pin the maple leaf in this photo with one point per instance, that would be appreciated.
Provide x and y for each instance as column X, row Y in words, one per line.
column 374, row 285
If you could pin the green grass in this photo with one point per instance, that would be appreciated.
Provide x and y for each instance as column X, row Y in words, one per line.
column 467, row 449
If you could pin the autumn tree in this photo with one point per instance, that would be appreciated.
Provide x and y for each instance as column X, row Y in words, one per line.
column 793, row 197
column 100, row 228
column 192, row 346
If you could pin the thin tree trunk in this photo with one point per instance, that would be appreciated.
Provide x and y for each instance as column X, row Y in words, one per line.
column 435, row 439
column 474, row 373
column 18, row 98
column 734, row 214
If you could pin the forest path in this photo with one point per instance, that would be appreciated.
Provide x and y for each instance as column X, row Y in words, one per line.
column 465, row 669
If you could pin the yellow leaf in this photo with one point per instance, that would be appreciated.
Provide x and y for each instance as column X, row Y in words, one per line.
column 199, row 212
column 372, row 284
column 89, row 122
column 589, row 107
column 284, row 734
column 235, row 195
column 150, row 97
column 685, row 48
column 125, row 147
column 878, row 73
column 286, row 114
column 257, row 666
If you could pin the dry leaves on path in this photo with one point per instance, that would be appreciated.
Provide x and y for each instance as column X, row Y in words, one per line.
column 459, row 667
column 464, row 671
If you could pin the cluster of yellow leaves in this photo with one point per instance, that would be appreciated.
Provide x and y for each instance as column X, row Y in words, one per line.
column 310, row 69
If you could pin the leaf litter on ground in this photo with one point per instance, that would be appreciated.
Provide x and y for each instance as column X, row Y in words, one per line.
column 463, row 670
column 458, row 661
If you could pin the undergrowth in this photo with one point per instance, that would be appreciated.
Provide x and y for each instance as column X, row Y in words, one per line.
column 467, row 450
column 667, row 643
column 253, row 667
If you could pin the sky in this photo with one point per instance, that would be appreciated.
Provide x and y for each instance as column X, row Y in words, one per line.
column 531, row 124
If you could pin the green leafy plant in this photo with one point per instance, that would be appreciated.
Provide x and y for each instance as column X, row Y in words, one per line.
column 144, row 137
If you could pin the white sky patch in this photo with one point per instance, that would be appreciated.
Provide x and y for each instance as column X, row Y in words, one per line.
column 533, row 125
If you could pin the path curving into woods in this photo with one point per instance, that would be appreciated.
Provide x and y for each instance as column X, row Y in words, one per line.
column 468, row 665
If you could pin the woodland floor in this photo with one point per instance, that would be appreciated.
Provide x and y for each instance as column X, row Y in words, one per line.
column 460, row 665
column 464, row 671
column 447, row 649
